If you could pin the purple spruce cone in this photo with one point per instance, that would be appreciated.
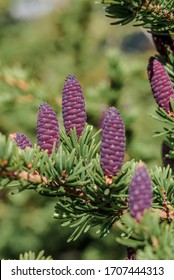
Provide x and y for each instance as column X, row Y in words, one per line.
column 21, row 140
column 47, row 128
column 73, row 106
column 160, row 83
column 140, row 192
column 113, row 143
column 163, row 42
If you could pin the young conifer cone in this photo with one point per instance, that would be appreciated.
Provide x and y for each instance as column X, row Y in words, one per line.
column 140, row 192
column 73, row 106
column 47, row 128
column 21, row 140
column 160, row 83
column 113, row 143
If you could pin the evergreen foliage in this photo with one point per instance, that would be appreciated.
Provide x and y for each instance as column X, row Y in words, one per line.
column 92, row 186
column 147, row 242
column 32, row 256
column 155, row 15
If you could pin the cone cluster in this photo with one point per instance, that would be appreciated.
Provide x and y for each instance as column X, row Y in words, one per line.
column 113, row 134
column 47, row 129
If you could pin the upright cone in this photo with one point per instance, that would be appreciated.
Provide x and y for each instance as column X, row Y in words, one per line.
column 47, row 129
column 21, row 140
column 140, row 192
column 73, row 106
column 113, row 143
column 160, row 83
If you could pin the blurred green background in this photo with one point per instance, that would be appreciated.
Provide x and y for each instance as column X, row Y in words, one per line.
column 41, row 42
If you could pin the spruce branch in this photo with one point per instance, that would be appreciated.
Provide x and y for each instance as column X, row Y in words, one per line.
column 75, row 171
column 136, row 235
column 84, row 197
column 156, row 15
column 152, row 242
column 98, row 204
column 162, row 181
column 72, row 176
